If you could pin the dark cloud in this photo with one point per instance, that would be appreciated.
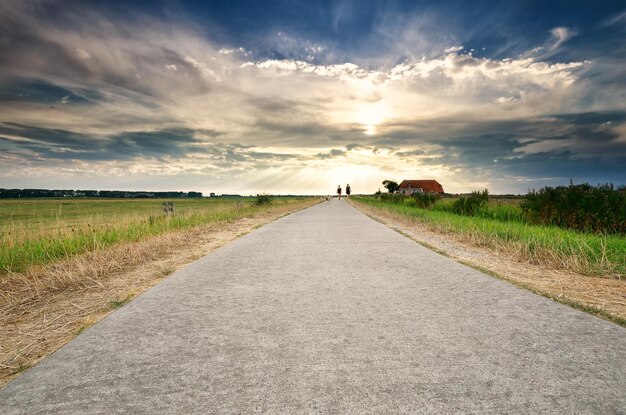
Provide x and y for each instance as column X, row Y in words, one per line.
column 354, row 146
column 584, row 146
column 43, row 137
column 565, row 165
column 272, row 156
column 307, row 134
column 331, row 154
column 295, row 129
column 42, row 92
column 592, row 118
column 412, row 153
column 273, row 104
column 102, row 55
column 36, row 143
column 62, row 144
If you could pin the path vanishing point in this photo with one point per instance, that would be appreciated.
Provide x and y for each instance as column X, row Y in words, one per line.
column 327, row 311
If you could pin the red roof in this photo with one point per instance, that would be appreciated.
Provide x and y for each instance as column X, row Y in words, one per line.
column 428, row 186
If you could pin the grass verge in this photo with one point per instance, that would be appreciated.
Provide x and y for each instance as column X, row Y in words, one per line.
column 46, row 306
column 588, row 254
column 42, row 237
column 602, row 297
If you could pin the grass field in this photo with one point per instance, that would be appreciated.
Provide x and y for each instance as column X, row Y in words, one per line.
column 38, row 231
column 589, row 254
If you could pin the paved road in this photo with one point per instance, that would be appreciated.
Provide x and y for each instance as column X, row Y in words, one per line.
column 327, row 311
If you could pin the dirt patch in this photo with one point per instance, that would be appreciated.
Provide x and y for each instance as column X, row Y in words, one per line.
column 600, row 296
column 48, row 306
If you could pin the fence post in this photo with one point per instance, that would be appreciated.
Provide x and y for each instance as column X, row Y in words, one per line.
column 169, row 208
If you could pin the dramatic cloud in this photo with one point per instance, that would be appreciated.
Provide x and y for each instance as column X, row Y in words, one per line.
column 88, row 93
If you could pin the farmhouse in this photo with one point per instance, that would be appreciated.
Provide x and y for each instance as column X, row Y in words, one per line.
column 408, row 187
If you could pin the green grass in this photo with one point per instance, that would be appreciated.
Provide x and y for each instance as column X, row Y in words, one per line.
column 38, row 231
column 590, row 254
column 33, row 214
column 121, row 302
column 498, row 209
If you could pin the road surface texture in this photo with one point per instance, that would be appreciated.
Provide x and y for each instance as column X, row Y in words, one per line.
column 327, row 311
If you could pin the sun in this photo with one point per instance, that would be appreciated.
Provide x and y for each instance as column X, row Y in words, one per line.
column 370, row 129
column 370, row 116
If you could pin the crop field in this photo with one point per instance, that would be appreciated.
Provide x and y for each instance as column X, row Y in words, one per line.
column 37, row 231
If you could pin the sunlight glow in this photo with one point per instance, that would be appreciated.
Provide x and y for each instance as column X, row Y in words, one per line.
column 369, row 116
column 370, row 129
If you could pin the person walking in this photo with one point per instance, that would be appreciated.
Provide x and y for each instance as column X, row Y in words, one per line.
column 339, row 191
column 348, row 190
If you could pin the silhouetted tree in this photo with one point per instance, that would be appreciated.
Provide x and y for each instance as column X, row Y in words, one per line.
column 391, row 186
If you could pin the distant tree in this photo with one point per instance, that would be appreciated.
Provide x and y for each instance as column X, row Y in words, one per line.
column 263, row 199
column 391, row 186
column 212, row 194
column 20, row 193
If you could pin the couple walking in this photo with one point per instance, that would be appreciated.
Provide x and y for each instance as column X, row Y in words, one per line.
column 347, row 191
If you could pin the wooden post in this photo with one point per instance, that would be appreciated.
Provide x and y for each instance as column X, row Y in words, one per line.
column 169, row 208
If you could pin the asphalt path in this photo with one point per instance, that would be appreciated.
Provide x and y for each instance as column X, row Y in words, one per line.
column 328, row 311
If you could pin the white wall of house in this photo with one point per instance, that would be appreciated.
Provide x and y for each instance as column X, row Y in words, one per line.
column 410, row 190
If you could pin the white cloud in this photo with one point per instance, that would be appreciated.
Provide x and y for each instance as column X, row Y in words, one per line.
column 454, row 49
column 559, row 36
column 231, row 51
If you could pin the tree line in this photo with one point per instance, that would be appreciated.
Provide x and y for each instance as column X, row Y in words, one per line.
column 112, row 194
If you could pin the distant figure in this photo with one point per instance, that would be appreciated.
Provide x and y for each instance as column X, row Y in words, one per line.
column 348, row 191
column 339, row 191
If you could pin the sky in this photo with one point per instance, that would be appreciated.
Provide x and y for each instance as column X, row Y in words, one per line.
column 296, row 96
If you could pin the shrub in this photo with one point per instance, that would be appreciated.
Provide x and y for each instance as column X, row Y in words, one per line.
column 469, row 205
column 392, row 197
column 426, row 200
column 263, row 199
column 444, row 205
column 600, row 209
column 501, row 212
column 409, row 201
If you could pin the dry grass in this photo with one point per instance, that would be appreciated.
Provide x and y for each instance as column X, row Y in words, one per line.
column 601, row 296
column 47, row 306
